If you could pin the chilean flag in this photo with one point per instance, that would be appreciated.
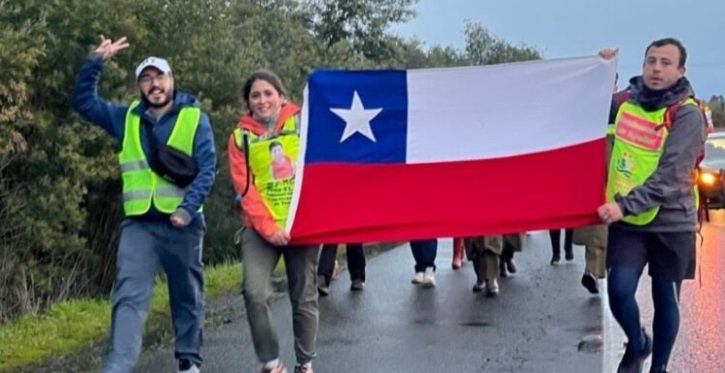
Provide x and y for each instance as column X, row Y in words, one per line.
column 393, row 155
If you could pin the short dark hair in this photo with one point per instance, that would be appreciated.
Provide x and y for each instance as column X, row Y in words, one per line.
column 669, row 41
column 266, row 75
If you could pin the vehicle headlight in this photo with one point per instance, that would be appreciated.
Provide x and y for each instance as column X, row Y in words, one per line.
column 707, row 178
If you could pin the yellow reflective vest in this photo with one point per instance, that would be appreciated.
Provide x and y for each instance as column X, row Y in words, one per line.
column 639, row 140
column 141, row 185
column 272, row 161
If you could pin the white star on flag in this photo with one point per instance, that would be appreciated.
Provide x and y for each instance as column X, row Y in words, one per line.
column 357, row 119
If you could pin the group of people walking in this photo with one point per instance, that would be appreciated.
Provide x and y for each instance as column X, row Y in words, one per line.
column 167, row 160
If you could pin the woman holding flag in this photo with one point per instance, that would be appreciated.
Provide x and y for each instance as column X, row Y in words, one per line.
column 266, row 133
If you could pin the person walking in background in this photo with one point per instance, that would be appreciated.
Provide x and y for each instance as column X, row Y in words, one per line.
column 459, row 249
column 424, row 253
column 555, row 236
column 355, row 266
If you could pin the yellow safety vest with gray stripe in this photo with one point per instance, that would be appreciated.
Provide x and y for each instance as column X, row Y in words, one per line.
column 272, row 161
column 141, row 185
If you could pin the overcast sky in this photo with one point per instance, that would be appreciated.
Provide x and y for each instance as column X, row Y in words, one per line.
column 559, row 28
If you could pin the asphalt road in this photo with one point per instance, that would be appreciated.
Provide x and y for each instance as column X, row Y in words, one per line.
column 535, row 325
column 538, row 324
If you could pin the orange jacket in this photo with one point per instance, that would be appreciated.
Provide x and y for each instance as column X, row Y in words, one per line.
column 256, row 214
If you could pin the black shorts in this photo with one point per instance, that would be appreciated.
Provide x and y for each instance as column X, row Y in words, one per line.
column 670, row 255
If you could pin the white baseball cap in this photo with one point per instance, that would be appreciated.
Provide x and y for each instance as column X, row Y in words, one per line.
column 156, row 62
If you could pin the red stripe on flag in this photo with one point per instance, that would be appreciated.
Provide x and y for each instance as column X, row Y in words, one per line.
column 342, row 203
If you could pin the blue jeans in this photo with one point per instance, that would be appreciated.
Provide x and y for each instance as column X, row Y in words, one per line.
column 143, row 247
column 424, row 253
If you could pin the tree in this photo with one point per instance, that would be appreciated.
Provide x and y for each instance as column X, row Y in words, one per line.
column 362, row 23
column 22, row 42
column 445, row 56
column 59, row 183
column 482, row 48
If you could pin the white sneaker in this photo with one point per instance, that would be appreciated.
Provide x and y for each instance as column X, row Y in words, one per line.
column 280, row 368
column 186, row 366
column 429, row 279
column 419, row 278
column 492, row 288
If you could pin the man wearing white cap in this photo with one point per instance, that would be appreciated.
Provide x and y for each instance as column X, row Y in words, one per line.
column 168, row 161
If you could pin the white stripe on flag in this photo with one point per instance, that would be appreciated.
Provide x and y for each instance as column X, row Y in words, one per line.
column 495, row 111
column 300, row 166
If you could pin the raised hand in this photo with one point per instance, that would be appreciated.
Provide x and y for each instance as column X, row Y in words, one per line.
column 109, row 48
column 608, row 53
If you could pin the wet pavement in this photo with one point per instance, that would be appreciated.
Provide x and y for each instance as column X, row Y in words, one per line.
column 543, row 321
column 536, row 324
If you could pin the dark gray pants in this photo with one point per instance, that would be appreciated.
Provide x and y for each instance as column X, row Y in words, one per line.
column 259, row 258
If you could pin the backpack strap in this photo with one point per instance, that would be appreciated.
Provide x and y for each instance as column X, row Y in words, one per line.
column 622, row 98
column 241, row 140
column 671, row 113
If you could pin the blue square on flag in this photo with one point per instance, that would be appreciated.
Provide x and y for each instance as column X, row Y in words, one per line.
column 357, row 117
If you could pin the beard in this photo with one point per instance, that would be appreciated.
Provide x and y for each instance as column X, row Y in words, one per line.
column 165, row 101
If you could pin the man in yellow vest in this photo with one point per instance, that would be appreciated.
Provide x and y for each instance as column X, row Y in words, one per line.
column 651, row 200
column 163, row 225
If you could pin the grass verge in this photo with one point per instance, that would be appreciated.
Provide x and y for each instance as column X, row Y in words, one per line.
column 72, row 326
